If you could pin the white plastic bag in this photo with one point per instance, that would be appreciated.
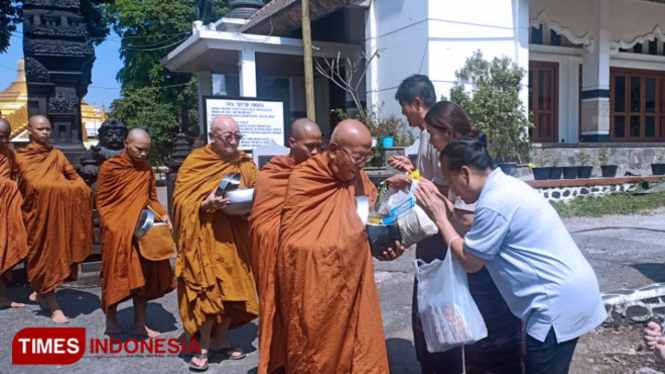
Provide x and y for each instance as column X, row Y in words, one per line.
column 414, row 224
column 449, row 316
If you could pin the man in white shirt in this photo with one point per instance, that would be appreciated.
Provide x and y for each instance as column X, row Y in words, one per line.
column 416, row 96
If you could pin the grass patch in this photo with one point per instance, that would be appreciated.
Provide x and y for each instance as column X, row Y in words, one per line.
column 622, row 203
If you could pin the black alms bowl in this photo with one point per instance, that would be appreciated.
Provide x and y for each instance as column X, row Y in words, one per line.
column 382, row 236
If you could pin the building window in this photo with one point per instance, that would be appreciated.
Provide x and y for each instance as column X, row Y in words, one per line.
column 637, row 105
column 536, row 35
column 543, row 101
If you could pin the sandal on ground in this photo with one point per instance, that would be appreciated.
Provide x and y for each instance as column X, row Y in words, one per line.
column 229, row 351
column 200, row 356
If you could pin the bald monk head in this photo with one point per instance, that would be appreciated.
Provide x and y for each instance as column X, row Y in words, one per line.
column 350, row 149
column 305, row 140
column 39, row 128
column 137, row 144
column 224, row 136
column 5, row 130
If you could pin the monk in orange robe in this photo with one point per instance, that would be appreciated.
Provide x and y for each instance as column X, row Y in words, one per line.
column 13, row 238
column 269, row 193
column 328, row 300
column 126, row 185
column 216, row 289
column 57, row 213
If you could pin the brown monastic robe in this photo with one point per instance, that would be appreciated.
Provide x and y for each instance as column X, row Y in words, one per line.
column 57, row 212
column 269, row 195
column 13, row 238
column 213, row 267
column 328, row 298
column 124, row 189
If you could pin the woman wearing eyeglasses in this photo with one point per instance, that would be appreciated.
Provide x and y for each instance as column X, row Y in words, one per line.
column 518, row 236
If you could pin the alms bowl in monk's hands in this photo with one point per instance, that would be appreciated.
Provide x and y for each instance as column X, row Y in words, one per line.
column 229, row 183
column 381, row 235
column 146, row 220
column 242, row 201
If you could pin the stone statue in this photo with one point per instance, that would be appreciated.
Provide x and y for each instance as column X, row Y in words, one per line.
column 112, row 136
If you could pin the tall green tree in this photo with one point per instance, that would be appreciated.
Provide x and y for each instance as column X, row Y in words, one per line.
column 489, row 92
column 153, row 96
column 10, row 15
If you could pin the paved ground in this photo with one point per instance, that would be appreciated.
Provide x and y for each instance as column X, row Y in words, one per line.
column 624, row 251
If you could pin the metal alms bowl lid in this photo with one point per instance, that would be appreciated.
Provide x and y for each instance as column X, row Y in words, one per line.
column 229, row 183
column 242, row 201
column 362, row 207
column 146, row 220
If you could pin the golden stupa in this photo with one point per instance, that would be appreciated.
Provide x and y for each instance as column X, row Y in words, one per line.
column 14, row 107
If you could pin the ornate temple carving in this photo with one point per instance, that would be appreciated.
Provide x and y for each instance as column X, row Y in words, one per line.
column 58, row 4
column 62, row 103
column 46, row 30
column 35, row 71
column 58, row 48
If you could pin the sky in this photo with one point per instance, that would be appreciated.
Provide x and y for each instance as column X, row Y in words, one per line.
column 103, row 89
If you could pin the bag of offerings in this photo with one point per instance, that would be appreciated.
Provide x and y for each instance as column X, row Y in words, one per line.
column 414, row 224
column 449, row 316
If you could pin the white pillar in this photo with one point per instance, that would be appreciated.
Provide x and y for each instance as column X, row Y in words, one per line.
column 596, row 80
column 205, row 88
column 247, row 73
column 371, row 78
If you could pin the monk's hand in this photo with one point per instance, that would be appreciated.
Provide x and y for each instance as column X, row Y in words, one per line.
column 168, row 220
column 391, row 254
column 398, row 182
column 214, row 202
column 402, row 163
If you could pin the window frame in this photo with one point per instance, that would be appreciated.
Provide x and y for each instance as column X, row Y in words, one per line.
column 658, row 113
column 534, row 68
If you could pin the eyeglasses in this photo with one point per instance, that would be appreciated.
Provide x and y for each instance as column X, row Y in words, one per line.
column 357, row 160
column 228, row 136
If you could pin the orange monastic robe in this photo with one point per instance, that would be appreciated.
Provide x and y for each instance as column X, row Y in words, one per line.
column 57, row 213
column 124, row 189
column 328, row 299
column 269, row 195
column 213, row 267
column 13, row 238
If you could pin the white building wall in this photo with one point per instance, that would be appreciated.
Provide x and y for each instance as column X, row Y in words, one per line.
column 399, row 29
column 435, row 37
column 458, row 28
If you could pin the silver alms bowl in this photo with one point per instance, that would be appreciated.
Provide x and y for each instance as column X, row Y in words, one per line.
column 146, row 220
column 242, row 201
column 362, row 207
column 229, row 183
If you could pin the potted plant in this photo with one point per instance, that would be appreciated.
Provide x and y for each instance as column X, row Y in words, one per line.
column 377, row 160
column 540, row 172
column 489, row 93
column 608, row 171
column 570, row 172
column 556, row 172
column 658, row 168
column 584, row 169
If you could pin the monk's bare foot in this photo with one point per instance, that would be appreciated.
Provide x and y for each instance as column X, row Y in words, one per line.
column 112, row 326
column 33, row 297
column 145, row 331
column 5, row 303
column 57, row 316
